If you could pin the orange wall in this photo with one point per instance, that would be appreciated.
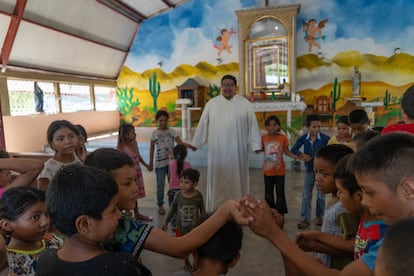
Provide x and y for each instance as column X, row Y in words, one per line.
column 28, row 133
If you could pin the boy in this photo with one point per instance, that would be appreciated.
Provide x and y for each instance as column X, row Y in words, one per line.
column 132, row 236
column 82, row 203
column 311, row 142
column 407, row 110
column 396, row 255
column 359, row 121
column 383, row 169
column 220, row 252
column 188, row 206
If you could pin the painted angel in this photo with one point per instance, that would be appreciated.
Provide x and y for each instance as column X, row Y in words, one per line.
column 313, row 32
column 224, row 41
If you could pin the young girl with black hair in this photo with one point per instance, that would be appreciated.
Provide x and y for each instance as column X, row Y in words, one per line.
column 24, row 220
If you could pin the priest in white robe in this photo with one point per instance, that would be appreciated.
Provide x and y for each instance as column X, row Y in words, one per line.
column 228, row 125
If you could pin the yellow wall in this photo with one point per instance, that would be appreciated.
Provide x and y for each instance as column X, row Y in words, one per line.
column 28, row 133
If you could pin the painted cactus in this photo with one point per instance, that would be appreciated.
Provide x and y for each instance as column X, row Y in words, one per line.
column 126, row 103
column 335, row 93
column 214, row 91
column 154, row 88
column 387, row 99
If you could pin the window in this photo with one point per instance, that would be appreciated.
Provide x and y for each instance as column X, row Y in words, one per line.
column 75, row 97
column 22, row 97
column 105, row 99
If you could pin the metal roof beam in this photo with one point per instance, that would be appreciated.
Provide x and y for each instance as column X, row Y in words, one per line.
column 123, row 9
column 15, row 20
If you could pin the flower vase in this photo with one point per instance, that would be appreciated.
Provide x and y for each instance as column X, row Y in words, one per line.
column 273, row 96
column 252, row 96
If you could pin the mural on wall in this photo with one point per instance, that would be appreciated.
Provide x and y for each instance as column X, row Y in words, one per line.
column 313, row 32
column 223, row 39
column 333, row 38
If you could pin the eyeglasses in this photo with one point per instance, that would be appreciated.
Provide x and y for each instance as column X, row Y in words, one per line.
column 228, row 85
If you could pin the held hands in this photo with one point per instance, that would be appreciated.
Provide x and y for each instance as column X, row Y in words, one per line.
column 150, row 167
column 306, row 240
column 265, row 220
column 164, row 226
column 305, row 157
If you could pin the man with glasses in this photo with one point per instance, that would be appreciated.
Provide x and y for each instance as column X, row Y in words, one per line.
column 228, row 124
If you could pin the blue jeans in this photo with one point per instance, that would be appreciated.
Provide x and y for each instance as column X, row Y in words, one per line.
column 305, row 211
column 160, row 175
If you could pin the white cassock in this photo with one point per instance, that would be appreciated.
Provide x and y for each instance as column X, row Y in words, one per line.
column 228, row 126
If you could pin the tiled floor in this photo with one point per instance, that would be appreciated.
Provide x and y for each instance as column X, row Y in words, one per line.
column 258, row 256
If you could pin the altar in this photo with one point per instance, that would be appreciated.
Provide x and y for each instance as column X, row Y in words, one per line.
column 288, row 106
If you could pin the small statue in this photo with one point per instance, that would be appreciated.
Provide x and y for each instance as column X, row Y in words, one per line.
column 356, row 82
column 38, row 97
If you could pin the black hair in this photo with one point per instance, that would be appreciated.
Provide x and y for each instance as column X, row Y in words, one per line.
column 123, row 130
column 387, row 158
column 224, row 245
column 311, row 118
column 397, row 248
column 343, row 174
column 108, row 159
column 229, row 77
column 272, row 118
column 4, row 154
column 333, row 153
column 58, row 124
column 180, row 153
column 161, row 113
column 78, row 190
column 191, row 174
column 407, row 102
column 82, row 131
column 16, row 201
column 343, row 120
column 358, row 116
column 361, row 138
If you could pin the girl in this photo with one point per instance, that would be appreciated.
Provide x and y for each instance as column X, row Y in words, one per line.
column 176, row 166
column 163, row 139
column 275, row 144
column 63, row 138
column 128, row 144
column 344, row 132
column 24, row 219
column 81, row 151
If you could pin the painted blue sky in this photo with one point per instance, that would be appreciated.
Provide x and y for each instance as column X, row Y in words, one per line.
column 186, row 35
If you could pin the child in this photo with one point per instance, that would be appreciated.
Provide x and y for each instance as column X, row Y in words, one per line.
column 82, row 203
column 407, row 110
column 337, row 223
column 63, row 138
column 344, row 132
column 220, row 253
column 188, row 206
column 28, row 169
column 132, row 236
column 162, row 139
column 361, row 138
column 384, row 171
column 311, row 142
column 359, row 121
column 275, row 144
column 81, row 151
column 396, row 254
column 128, row 144
column 24, row 219
column 175, row 168
column 370, row 229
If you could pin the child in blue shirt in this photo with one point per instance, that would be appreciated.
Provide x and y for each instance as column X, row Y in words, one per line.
column 311, row 142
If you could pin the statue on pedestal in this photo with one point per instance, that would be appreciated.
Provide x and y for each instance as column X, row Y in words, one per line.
column 356, row 83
